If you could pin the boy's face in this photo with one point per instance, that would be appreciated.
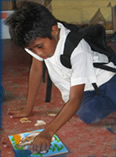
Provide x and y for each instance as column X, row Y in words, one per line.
column 44, row 47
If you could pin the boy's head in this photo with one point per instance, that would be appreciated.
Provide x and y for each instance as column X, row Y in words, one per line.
column 30, row 21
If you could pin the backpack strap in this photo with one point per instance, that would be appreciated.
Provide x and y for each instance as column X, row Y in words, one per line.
column 104, row 67
column 44, row 71
column 49, row 84
column 72, row 40
column 96, row 88
column 48, row 89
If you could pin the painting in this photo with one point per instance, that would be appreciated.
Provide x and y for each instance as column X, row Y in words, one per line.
column 21, row 142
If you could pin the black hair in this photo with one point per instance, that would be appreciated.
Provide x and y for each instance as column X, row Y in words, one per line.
column 30, row 21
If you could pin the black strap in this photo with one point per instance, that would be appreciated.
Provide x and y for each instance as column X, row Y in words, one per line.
column 49, row 84
column 44, row 71
column 48, row 89
column 96, row 88
column 104, row 67
column 71, row 42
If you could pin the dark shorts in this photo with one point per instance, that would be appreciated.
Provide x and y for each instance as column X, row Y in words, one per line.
column 96, row 107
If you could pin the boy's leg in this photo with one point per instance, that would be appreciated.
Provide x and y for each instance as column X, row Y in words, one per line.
column 96, row 107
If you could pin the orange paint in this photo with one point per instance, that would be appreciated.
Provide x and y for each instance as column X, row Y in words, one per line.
column 17, row 138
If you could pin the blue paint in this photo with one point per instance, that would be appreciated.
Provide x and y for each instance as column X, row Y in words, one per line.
column 25, row 153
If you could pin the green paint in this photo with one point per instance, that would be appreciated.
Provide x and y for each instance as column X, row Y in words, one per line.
column 52, row 149
column 38, row 154
column 56, row 138
column 13, row 139
column 58, row 148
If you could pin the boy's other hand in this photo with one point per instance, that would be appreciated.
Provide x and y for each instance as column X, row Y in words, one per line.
column 41, row 143
column 18, row 114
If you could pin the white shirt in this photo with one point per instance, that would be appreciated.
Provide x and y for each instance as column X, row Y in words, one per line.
column 82, row 71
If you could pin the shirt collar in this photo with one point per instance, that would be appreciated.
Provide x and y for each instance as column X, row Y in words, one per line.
column 33, row 55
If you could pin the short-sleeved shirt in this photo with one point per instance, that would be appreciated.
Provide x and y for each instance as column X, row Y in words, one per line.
column 82, row 71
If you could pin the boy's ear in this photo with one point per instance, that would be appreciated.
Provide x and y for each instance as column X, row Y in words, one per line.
column 55, row 30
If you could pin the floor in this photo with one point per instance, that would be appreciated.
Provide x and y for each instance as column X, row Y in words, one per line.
column 95, row 140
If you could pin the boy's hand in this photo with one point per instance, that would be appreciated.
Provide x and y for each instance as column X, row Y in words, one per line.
column 18, row 114
column 41, row 143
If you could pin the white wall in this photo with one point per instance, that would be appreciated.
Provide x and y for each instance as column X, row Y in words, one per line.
column 5, row 30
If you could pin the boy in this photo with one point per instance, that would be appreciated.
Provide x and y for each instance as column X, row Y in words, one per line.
column 36, row 30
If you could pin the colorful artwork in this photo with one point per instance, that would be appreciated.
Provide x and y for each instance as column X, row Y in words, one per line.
column 22, row 141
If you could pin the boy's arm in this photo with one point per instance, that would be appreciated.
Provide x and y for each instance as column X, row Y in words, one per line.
column 42, row 141
column 35, row 77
